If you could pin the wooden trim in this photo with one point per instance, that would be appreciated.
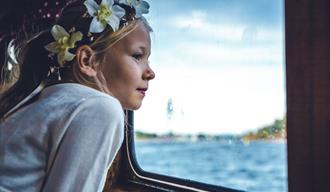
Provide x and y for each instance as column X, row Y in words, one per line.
column 308, row 94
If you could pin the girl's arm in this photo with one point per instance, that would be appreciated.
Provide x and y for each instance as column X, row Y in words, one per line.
column 88, row 147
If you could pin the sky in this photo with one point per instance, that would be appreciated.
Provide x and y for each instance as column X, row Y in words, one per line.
column 221, row 62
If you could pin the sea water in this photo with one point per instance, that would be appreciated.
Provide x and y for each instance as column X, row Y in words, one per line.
column 258, row 166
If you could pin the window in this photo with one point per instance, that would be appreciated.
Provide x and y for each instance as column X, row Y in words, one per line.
column 216, row 111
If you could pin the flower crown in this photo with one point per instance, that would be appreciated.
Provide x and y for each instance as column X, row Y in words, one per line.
column 110, row 13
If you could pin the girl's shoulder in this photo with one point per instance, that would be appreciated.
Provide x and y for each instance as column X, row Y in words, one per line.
column 70, row 98
column 73, row 93
column 63, row 102
column 72, row 90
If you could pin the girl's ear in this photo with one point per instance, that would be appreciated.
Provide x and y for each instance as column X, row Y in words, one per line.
column 85, row 62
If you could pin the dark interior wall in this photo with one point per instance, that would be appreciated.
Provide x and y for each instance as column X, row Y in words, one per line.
column 308, row 94
column 21, row 18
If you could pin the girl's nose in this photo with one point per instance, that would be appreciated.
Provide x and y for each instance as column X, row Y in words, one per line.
column 149, row 74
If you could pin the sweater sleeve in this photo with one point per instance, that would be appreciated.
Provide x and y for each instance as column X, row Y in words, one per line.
column 93, row 136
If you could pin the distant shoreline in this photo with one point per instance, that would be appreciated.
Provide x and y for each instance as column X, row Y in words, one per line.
column 208, row 138
column 274, row 132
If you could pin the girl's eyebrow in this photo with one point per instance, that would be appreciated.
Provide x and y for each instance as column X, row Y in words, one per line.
column 144, row 50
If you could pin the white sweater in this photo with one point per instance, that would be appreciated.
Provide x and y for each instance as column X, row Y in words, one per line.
column 64, row 141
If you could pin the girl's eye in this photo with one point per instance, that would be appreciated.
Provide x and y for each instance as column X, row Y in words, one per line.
column 137, row 56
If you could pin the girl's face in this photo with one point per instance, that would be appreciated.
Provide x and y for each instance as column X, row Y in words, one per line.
column 127, row 69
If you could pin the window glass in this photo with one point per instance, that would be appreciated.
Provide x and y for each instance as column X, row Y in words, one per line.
column 215, row 112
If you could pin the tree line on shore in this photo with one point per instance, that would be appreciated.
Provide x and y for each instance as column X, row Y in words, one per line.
column 275, row 130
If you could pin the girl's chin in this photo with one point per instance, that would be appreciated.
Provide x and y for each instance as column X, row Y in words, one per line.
column 133, row 106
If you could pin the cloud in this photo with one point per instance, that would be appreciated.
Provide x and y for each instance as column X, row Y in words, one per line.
column 204, row 55
column 192, row 39
column 195, row 20
column 199, row 23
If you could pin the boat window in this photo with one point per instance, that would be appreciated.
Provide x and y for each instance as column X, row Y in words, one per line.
column 215, row 113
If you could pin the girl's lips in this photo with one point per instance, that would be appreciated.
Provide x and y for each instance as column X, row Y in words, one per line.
column 142, row 91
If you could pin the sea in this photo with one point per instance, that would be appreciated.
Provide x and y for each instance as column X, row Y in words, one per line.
column 257, row 166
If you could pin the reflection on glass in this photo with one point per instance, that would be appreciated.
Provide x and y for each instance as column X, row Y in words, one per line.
column 216, row 111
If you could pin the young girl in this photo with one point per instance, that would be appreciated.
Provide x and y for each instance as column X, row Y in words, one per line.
column 62, row 121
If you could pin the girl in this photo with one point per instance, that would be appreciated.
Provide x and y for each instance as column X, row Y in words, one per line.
column 62, row 121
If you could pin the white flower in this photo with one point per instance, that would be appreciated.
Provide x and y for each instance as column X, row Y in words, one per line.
column 105, row 13
column 63, row 42
column 140, row 6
